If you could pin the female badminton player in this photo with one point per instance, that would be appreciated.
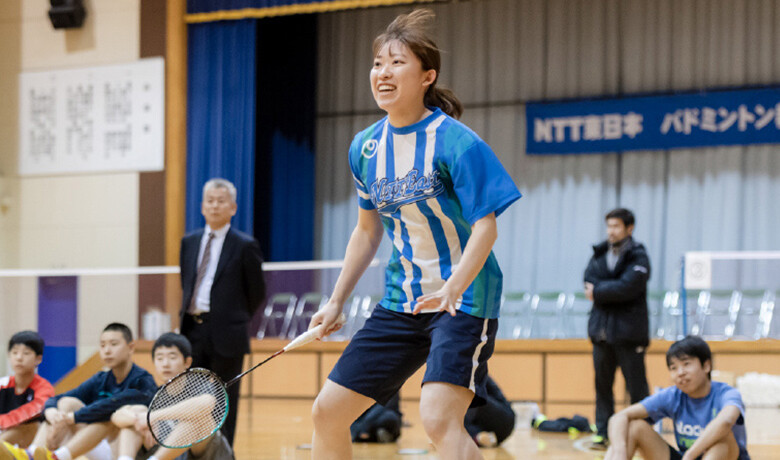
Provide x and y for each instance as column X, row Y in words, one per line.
column 435, row 188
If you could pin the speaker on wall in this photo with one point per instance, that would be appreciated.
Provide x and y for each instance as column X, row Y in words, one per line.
column 67, row 14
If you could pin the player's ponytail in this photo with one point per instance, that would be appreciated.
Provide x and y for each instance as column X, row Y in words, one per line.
column 410, row 29
column 444, row 99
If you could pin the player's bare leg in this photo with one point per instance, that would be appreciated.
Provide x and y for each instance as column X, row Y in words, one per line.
column 642, row 436
column 727, row 448
column 21, row 435
column 87, row 437
column 53, row 436
column 442, row 408
column 333, row 412
column 128, row 442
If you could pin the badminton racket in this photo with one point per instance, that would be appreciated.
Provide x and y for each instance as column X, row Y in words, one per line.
column 193, row 405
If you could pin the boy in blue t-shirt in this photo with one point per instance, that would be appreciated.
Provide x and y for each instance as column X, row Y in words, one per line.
column 709, row 417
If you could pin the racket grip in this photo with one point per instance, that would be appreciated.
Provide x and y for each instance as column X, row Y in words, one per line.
column 311, row 334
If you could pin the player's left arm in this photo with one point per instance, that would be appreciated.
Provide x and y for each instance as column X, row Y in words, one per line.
column 717, row 429
column 483, row 234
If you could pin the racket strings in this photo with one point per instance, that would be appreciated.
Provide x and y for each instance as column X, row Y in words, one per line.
column 188, row 409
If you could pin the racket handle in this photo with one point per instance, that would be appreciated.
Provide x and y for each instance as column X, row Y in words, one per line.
column 311, row 334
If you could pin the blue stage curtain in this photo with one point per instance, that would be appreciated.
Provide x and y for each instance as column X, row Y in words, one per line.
column 204, row 6
column 284, row 191
column 292, row 200
column 221, row 115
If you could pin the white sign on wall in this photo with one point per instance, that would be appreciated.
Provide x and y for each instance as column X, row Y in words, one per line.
column 94, row 119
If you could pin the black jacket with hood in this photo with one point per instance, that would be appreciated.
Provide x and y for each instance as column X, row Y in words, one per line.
column 619, row 313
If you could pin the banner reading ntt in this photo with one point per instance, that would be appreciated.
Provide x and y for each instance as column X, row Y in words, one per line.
column 735, row 117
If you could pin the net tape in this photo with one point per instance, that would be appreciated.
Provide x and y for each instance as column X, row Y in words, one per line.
column 188, row 409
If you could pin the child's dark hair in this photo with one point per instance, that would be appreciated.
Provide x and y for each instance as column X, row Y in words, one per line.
column 690, row 347
column 172, row 339
column 623, row 214
column 410, row 29
column 119, row 327
column 30, row 339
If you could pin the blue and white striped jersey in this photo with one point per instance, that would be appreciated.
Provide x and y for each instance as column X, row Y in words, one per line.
column 430, row 182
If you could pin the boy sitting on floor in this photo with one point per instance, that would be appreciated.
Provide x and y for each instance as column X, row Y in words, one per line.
column 709, row 417
column 78, row 420
column 172, row 355
column 23, row 394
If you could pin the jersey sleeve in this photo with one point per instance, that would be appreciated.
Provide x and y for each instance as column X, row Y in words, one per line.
column 364, row 195
column 660, row 405
column 42, row 391
column 481, row 183
column 732, row 397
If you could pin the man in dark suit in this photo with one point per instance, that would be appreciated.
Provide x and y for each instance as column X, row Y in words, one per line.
column 616, row 282
column 222, row 287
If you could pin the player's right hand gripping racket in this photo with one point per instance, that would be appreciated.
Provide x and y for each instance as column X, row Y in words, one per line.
column 193, row 405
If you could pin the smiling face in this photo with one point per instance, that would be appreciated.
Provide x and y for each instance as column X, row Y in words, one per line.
column 690, row 375
column 398, row 80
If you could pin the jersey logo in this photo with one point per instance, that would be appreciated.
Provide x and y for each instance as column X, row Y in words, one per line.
column 688, row 430
column 388, row 196
column 369, row 148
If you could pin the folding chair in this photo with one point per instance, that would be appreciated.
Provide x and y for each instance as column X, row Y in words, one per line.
column 716, row 314
column 576, row 315
column 546, row 315
column 655, row 305
column 770, row 323
column 670, row 327
column 514, row 310
column 748, row 325
column 277, row 316
column 307, row 306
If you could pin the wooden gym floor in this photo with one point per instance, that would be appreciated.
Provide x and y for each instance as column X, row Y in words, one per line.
column 280, row 429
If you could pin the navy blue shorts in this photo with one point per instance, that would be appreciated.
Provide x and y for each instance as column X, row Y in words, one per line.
column 391, row 346
column 675, row 454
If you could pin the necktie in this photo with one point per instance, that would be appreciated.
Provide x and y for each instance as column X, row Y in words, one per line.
column 202, row 268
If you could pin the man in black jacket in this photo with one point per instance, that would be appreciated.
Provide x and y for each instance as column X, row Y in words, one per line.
column 222, row 287
column 616, row 282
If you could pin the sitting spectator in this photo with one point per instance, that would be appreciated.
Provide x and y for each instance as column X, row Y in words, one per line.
column 709, row 417
column 489, row 425
column 23, row 394
column 78, row 421
column 379, row 423
column 172, row 355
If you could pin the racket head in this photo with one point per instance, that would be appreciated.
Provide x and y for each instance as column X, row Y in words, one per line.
column 188, row 409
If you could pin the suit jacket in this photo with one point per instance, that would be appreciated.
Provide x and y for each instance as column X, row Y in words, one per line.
column 236, row 293
column 619, row 313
